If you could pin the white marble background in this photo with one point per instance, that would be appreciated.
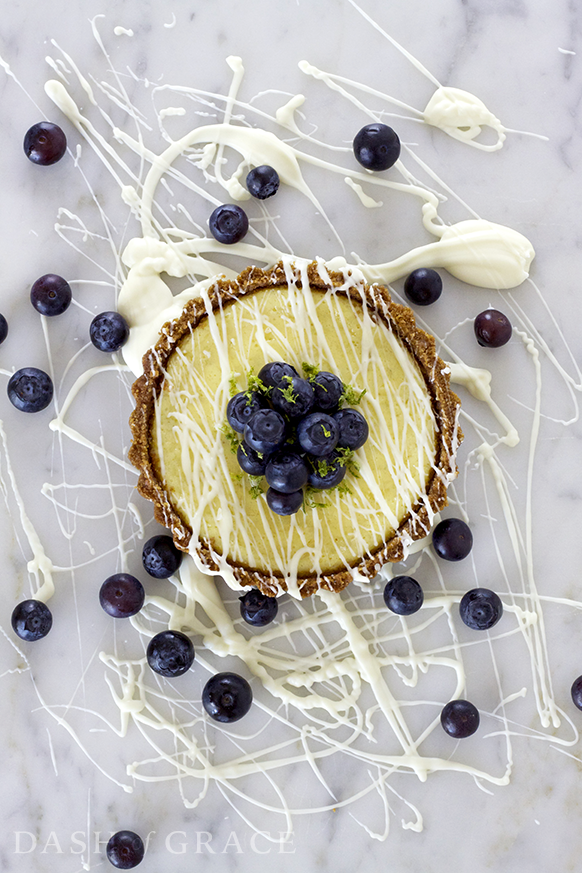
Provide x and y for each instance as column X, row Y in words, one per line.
column 523, row 60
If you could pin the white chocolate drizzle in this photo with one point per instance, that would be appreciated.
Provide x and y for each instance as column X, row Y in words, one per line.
column 331, row 675
column 335, row 334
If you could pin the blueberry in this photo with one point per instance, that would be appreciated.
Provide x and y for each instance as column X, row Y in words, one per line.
column 423, row 286
column 30, row 389
column 258, row 609
column 125, row 850
column 109, row 331
column 376, row 147
column 242, row 406
column 353, row 428
column 460, row 719
column 284, row 504
column 327, row 388
column 452, row 539
column 286, row 472
column 253, row 463
column 263, row 182
column 492, row 329
column 3, row 328
column 318, row 434
column 326, row 472
column 121, row 595
column 170, row 653
column 228, row 224
column 480, row 609
column 576, row 691
column 160, row 557
column 293, row 445
column 45, row 143
column 403, row 595
column 273, row 374
column 31, row 620
column 51, row 295
column 293, row 397
column 266, row 431
column 227, row 697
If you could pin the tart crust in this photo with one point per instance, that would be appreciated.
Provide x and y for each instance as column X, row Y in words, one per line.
column 400, row 321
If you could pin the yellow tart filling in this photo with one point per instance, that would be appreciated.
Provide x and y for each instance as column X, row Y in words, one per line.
column 193, row 458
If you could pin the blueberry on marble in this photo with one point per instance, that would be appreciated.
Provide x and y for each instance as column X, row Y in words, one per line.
column 258, row 609
column 266, row 431
column 170, row 653
column 327, row 388
column 377, row 147
column 125, row 850
column 160, row 557
column 286, row 472
column 240, row 408
column 253, row 463
column 403, row 595
column 284, row 504
column 30, row 389
column 45, row 143
column 353, row 428
column 121, row 595
column 423, row 286
column 480, row 608
column 227, row 697
column 293, row 396
column 492, row 329
column 452, row 539
column 228, row 224
column 109, row 331
column 318, row 434
column 3, row 328
column 263, row 182
column 576, row 692
column 273, row 374
column 460, row 719
column 326, row 472
column 51, row 295
column 31, row 620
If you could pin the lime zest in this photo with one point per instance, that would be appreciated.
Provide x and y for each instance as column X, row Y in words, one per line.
column 287, row 393
column 350, row 396
column 256, row 488
column 323, row 467
column 310, row 370
column 255, row 385
column 311, row 493
column 309, row 501
column 233, row 387
column 346, row 459
column 232, row 437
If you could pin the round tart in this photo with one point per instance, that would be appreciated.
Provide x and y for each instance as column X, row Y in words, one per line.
column 334, row 321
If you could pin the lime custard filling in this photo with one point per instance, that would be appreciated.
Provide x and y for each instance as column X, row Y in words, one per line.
column 193, row 458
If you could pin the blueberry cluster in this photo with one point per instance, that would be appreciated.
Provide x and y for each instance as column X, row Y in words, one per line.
column 295, row 432
column 229, row 223
column 170, row 653
column 480, row 609
column 31, row 389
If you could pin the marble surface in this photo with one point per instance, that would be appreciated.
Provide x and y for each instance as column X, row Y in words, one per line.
column 64, row 768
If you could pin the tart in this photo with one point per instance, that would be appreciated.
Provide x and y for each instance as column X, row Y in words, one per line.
column 294, row 312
